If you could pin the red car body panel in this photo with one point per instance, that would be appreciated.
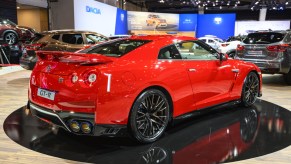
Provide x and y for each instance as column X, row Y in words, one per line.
column 212, row 83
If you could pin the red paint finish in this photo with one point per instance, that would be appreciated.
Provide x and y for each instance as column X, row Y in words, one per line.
column 121, row 80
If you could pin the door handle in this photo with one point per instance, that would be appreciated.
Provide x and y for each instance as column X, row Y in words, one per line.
column 192, row 70
column 235, row 70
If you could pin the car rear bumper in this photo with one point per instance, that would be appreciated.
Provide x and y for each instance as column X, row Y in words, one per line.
column 271, row 66
column 62, row 119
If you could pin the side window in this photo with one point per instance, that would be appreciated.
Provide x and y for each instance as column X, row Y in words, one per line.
column 194, row 50
column 73, row 38
column 288, row 38
column 169, row 52
column 203, row 40
column 210, row 41
column 56, row 37
column 92, row 38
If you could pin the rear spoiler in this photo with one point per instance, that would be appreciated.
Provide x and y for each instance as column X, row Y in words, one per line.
column 71, row 57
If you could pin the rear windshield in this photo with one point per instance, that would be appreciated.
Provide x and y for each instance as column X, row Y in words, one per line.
column 36, row 38
column 116, row 48
column 264, row 38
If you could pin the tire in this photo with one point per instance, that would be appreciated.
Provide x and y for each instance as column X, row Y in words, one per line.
column 250, row 90
column 287, row 77
column 231, row 55
column 10, row 38
column 149, row 117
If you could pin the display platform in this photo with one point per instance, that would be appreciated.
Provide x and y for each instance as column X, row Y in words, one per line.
column 224, row 135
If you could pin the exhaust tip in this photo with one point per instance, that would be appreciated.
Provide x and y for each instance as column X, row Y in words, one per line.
column 74, row 126
column 86, row 127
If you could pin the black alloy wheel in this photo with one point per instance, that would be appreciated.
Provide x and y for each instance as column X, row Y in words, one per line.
column 250, row 89
column 149, row 116
column 10, row 38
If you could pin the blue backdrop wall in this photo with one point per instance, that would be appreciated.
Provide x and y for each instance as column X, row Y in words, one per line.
column 121, row 22
column 220, row 25
column 187, row 22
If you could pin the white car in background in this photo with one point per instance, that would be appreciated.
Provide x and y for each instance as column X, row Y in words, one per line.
column 229, row 47
column 212, row 40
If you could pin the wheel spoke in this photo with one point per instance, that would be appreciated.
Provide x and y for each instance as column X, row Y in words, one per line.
column 140, row 118
column 154, row 121
column 152, row 102
column 160, row 110
column 158, row 117
column 140, row 125
column 144, row 105
column 159, row 104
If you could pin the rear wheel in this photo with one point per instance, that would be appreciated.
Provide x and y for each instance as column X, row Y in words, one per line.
column 250, row 89
column 287, row 77
column 149, row 116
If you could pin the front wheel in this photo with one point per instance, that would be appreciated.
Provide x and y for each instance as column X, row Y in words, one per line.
column 10, row 38
column 250, row 89
column 149, row 116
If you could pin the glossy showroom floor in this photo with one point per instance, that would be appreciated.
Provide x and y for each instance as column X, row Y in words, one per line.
column 261, row 134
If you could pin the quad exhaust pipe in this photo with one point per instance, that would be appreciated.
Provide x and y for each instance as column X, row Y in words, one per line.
column 81, row 126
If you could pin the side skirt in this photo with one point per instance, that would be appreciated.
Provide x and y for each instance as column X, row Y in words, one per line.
column 205, row 110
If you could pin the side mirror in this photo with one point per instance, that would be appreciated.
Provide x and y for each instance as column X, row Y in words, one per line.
column 223, row 57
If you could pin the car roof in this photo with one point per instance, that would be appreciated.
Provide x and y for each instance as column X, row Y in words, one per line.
column 67, row 31
column 161, row 37
column 264, row 32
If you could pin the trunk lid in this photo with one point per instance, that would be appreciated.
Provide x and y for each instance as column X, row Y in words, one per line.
column 66, row 63
column 261, row 46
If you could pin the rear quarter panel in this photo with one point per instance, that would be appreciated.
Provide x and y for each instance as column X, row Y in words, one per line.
column 134, row 73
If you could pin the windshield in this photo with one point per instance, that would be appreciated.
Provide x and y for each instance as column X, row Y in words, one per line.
column 7, row 21
column 264, row 38
column 116, row 48
column 218, row 40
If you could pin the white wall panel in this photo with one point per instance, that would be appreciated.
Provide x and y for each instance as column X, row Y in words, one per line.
column 95, row 16
column 243, row 27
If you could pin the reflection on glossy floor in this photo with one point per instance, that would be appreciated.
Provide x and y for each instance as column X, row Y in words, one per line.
column 221, row 136
column 270, row 134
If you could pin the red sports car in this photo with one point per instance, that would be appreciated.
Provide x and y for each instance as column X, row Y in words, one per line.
column 139, row 84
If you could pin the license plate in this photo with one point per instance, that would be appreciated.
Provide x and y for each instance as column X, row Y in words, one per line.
column 255, row 52
column 46, row 94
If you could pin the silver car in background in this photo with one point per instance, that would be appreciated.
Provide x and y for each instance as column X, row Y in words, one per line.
column 269, row 50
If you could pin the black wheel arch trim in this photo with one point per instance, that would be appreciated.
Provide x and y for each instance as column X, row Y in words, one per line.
column 7, row 31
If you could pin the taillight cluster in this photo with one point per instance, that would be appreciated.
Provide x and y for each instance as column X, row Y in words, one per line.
column 88, row 78
column 224, row 44
column 35, row 46
column 277, row 48
column 240, row 47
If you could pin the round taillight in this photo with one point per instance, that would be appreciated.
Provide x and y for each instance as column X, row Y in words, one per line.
column 75, row 78
column 92, row 77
